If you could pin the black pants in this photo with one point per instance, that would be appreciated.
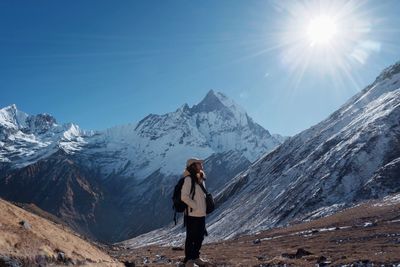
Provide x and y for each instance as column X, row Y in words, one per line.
column 195, row 231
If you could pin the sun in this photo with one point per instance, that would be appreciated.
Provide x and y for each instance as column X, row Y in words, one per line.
column 321, row 30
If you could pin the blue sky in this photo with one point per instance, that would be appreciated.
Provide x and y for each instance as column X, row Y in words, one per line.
column 105, row 63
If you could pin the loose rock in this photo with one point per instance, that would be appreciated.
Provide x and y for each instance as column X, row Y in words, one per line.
column 299, row 253
column 129, row 264
column 61, row 256
column 25, row 224
column 9, row 262
column 146, row 260
column 323, row 261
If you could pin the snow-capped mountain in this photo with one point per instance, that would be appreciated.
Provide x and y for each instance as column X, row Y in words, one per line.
column 352, row 155
column 25, row 139
column 164, row 142
column 128, row 171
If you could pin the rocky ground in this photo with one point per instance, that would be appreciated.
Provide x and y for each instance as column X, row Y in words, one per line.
column 365, row 235
column 27, row 239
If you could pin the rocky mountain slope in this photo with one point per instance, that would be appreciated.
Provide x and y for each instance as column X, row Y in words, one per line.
column 60, row 186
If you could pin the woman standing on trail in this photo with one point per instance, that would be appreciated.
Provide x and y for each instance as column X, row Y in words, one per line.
column 195, row 215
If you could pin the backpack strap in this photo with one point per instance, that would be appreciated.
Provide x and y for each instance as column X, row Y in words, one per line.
column 192, row 189
column 203, row 188
column 175, row 218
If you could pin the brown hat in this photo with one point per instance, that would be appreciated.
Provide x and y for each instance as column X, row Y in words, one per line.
column 193, row 160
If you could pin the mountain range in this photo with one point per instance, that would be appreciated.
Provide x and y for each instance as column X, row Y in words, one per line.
column 111, row 184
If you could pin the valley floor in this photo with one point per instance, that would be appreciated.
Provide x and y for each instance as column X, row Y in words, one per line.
column 365, row 235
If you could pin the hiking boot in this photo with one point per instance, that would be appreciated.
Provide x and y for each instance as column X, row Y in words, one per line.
column 190, row 263
column 202, row 263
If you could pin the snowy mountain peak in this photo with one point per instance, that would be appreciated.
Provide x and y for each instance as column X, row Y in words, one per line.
column 210, row 103
column 216, row 101
column 184, row 108
column 12, row 108
column 389, row 72
column 11, row 117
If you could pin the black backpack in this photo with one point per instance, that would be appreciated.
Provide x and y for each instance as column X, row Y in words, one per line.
column 178, row 204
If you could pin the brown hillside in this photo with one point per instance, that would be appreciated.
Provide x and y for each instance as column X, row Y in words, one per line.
column 30, row 240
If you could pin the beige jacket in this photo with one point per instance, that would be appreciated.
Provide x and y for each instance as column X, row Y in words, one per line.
column 197, row 205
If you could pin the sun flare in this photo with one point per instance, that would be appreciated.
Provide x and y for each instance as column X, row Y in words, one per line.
column 324, row 38
column 321, row 30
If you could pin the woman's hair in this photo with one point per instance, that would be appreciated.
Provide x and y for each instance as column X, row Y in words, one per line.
column 191, row 169
column 193, row 173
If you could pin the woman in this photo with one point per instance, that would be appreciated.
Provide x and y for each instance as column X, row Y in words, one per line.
column 195, row 215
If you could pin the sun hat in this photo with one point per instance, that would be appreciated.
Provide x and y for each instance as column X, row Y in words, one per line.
column 193, row 160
